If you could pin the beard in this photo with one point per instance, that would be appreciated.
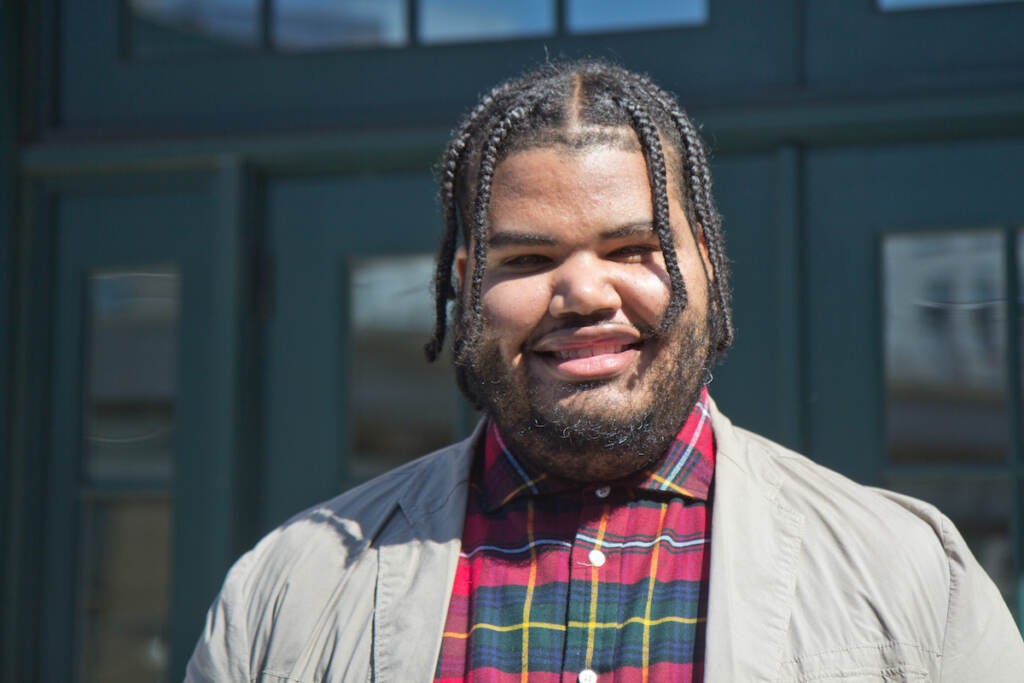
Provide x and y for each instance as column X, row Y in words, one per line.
column 589, row 431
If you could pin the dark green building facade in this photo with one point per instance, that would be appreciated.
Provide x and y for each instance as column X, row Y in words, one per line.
column 216, row 223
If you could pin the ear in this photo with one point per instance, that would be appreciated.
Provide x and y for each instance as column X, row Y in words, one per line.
column 461, row 259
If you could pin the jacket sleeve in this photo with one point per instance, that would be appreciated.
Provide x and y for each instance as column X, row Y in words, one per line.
column 982, row 642
column 222, row 653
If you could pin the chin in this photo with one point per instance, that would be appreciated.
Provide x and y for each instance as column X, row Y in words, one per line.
column 593, row 430
column 599, row 404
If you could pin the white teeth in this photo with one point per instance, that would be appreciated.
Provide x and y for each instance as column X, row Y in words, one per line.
column 589, row 351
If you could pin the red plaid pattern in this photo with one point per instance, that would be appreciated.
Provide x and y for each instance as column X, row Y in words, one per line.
column 555, row 578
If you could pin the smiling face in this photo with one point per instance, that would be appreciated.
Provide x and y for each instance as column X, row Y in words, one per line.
column 570, row 361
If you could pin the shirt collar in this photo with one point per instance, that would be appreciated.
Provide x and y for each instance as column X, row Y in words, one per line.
column 686, row 468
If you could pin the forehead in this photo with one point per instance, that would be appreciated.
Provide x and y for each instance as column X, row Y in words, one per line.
column 600, row 187
column 581, row 157
column 545, row 172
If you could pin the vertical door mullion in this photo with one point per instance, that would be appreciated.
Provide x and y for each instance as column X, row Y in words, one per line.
column 1016, row 457
column 60, row 598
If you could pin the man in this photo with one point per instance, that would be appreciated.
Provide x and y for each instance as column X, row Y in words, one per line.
column 605, row 522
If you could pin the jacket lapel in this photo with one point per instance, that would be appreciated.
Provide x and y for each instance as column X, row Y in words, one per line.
column 756, row 542
column 418, row 553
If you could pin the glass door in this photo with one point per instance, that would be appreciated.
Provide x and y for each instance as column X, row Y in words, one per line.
column 348, row 391
column 138, row 527
column 913, row 288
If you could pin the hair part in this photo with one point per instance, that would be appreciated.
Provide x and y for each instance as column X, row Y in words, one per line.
column 578, row 104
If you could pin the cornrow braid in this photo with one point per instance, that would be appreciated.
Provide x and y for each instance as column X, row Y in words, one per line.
column 705, row 216
column 488, row 163
column 647, row 132
column 444, row 290
column 564, row 103
column 710, row 220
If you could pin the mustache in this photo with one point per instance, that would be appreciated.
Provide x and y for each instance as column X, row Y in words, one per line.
column 574, row 321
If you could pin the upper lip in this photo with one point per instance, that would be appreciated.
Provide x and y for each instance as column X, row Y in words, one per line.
column 571, row 338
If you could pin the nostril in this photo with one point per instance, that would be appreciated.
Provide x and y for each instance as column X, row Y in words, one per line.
column 584, row 297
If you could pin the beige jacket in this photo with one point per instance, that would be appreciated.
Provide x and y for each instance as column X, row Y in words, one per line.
column 813, row 578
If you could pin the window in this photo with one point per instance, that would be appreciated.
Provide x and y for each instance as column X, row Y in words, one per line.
column 899, row 5
column 178, row 27
column 400, row 405
column 309, row 25
column 125, row 503
column 945, row 347
column 450, row 21
column 158, row 27
column 594, row 16
column 947, row 399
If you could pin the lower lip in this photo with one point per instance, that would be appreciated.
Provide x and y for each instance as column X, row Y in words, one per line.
column 601, row 366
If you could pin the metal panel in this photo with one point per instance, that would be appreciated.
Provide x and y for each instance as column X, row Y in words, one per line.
column 15, row 519
column 750, row 46
column 856, row 45
column 315, row 226
column 758, row 384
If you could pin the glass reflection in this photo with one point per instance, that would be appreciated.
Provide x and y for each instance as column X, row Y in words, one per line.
column 447, row 21
column 132, row 375
column 899, row 5
column 193, row 26
column 945, row 347
column 125, row 505
column 126, row 560
column 400, row 405
column 592, row 16
column 325, row 24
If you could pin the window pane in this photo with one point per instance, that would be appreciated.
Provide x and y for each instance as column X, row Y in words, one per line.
column 132, row 373
column 895, row 5
column 945, row 347
column 128, row 422
column 125, row 565
column 401, row 405
column 592, row 16
column 447, row 21
column 192, row 26
column 981, row 509
column 328, row 24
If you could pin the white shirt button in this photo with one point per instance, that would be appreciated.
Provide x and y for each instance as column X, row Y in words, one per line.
column 587, row 676
column 597, row 559
column 603, row 491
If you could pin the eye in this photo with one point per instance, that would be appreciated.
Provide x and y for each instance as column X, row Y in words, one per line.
column 524, row 262
column 634, row 253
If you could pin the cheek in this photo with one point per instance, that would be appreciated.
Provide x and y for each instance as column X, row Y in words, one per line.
column 513, row 308
column 645, row 293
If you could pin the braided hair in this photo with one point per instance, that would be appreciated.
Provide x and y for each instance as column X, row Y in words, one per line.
column 577, row 104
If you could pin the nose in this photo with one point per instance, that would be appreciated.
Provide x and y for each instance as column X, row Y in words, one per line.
column 582, row 286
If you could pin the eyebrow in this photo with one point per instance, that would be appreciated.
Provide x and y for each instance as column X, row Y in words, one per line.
column 629, row 230
column 512, row 238
column 509, row 238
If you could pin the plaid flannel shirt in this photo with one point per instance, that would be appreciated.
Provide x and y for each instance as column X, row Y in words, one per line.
column 562, row 582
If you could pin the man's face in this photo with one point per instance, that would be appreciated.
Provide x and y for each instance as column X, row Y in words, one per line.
column 570, row 362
